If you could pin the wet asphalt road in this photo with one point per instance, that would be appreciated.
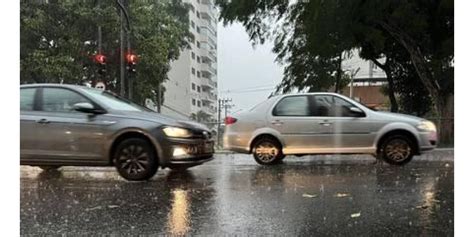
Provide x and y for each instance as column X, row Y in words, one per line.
column 312, row 195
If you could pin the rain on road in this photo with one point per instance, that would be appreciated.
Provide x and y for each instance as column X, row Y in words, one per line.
column 312, row 195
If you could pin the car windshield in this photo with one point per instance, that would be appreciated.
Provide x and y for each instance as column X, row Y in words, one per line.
column 113, row 101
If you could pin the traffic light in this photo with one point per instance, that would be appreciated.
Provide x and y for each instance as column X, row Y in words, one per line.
column 131, row 63
column 101, row 60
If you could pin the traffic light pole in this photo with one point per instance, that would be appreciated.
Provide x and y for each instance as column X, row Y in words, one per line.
column 122, row 55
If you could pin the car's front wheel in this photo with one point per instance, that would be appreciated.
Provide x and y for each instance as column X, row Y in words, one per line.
column 396, row 150
column 267, row 151
column 135, row 159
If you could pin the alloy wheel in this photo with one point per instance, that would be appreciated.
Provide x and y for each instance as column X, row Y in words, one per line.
column 398, row 150
column 266, row 152
column 133, row 159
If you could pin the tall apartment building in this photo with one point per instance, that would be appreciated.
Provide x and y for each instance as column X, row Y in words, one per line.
column 192, row 86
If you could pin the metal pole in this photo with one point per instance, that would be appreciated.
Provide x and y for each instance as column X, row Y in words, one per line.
column 351, row 87
column 218, row 121
column 122, row 56
column 158, row 99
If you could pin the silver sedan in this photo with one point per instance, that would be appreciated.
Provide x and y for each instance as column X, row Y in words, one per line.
column 67, row 125
column 326, row 123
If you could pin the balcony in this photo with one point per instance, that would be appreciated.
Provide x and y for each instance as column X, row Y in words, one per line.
column 208, row 36
column 207, row 70
column 208, row 57
column 208, row 85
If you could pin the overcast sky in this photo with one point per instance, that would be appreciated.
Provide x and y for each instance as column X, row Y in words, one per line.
column 246, row 74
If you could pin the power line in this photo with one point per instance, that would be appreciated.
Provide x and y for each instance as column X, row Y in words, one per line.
column 249, row 91
column 248, row 88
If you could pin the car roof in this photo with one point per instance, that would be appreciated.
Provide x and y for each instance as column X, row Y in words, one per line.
column 310, row 93
column 53, row 85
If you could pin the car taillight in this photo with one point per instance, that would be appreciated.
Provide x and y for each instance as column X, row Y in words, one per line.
column 229, row 120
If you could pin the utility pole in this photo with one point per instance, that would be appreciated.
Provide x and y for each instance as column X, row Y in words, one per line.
column 158, row 99
column 122, row 55
column 99, row 46
column 218, row 121
column 223, row 103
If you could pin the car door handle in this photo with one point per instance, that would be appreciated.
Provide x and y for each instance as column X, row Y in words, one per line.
column 325, row 123
column 277, row 122
column 42, row 121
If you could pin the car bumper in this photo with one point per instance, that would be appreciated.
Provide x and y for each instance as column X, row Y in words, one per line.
column 187, row 152
column 428, row 141
column 235, row 142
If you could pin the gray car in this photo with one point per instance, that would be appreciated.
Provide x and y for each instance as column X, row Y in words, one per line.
column 326, row 123
column 68, row 125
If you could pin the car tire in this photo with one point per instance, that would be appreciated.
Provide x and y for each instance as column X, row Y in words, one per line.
column 267, row 151
column 396, row 150
column 49, row 167
column 135, row 159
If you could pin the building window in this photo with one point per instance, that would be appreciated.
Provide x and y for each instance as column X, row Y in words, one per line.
column 198, row 29
column 198, row 59
column 192, row 8
column 199, row 74
column 194, row 102
column 198, row 44
column 193, row 86
column 198, row 88
column 192, row 24
column 193, row 55
column 198, row 15
column 199, row 103
column 193, row 71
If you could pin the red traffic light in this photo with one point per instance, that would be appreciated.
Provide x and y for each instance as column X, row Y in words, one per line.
column 100, row 58
column 132, row 58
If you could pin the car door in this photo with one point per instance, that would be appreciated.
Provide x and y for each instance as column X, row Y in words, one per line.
column 294, row 119
column 349, row 130
column 64, row 134
column 28, row 117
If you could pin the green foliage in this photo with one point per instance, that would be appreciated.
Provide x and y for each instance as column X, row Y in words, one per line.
column 58, row 40
column 309, row 34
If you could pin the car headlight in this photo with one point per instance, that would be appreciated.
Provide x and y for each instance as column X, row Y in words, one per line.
column 426, row 126
column 177, row 132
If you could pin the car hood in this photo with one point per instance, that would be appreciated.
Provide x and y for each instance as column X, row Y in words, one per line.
column 161, row 119
column 398, row 117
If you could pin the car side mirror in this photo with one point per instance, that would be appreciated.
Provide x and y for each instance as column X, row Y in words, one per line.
column 356, row 110
column 86, row 108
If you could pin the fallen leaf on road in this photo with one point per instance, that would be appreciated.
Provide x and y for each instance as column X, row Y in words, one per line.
column 113, row 206
column 309, row 195
column 422, row 207
column 355, row 215
column 339, row 195
column 446, row 165
column 93, row 208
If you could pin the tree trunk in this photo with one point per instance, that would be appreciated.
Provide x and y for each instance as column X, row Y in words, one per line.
column 444, row 105
column 445, row 122
column 338, row 74
column 391, row 93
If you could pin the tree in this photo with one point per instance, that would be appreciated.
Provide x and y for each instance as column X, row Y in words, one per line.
column 424, row 29
column 59, row 38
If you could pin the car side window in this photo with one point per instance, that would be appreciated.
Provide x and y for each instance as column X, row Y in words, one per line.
column 292, row 106
column 27, row 99
column 332, row 106
column 61, row 100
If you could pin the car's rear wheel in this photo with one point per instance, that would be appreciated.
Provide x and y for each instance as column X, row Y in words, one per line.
column 49, row 167
column 267, row 151
column 135, row 159
column 397, row 150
